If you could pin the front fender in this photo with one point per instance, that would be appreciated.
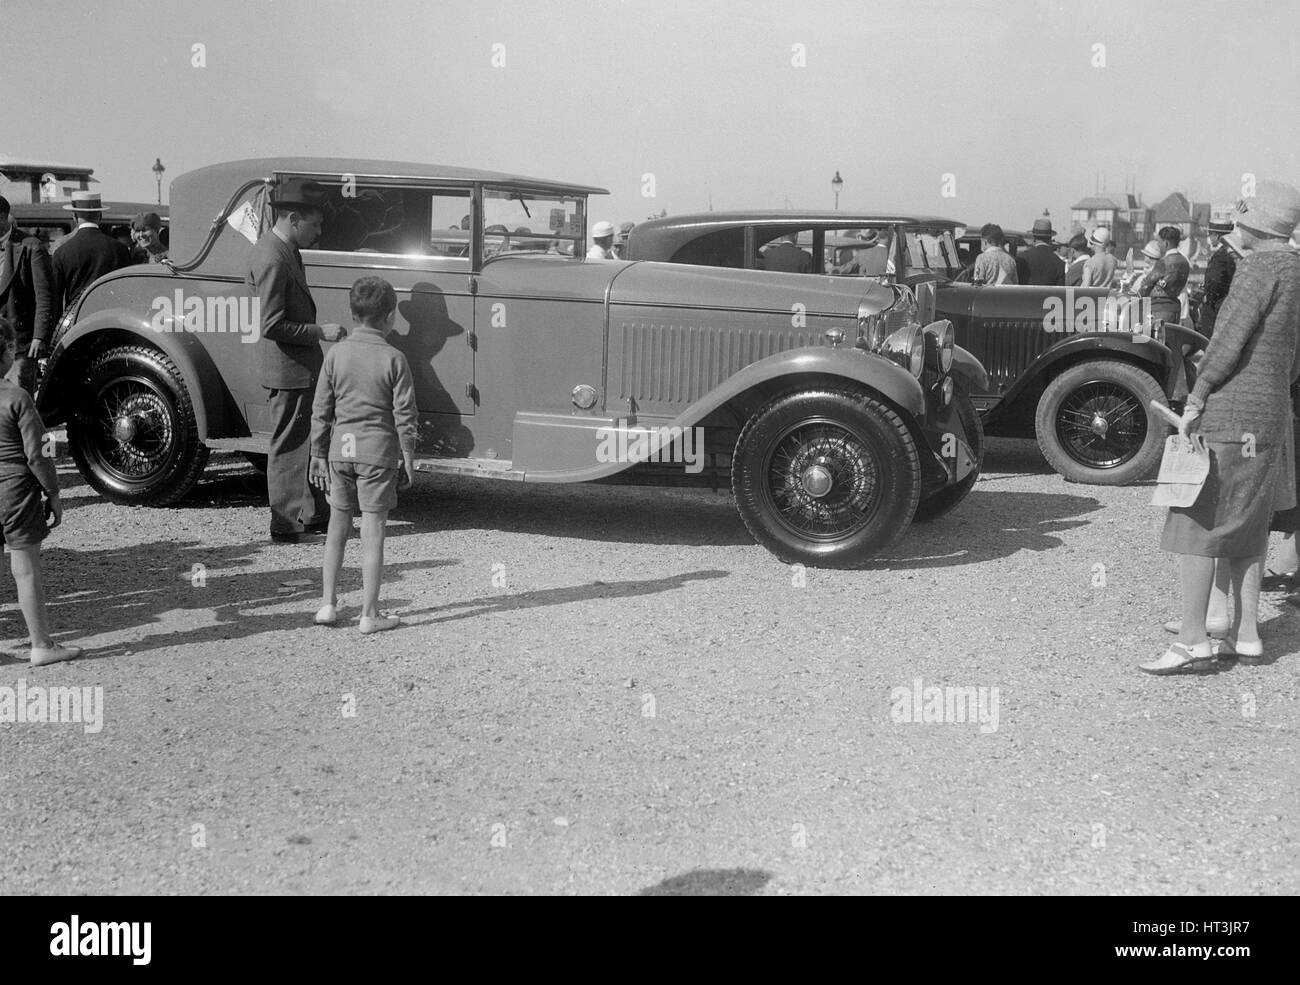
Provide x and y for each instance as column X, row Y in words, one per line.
column 202, row 380
column 970, row 372
column 1154, row 354
column 852, row 366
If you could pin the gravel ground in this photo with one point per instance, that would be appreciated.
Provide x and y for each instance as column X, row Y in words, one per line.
column 613, row 690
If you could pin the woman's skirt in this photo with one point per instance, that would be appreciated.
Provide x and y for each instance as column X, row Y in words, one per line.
column 1231, row 517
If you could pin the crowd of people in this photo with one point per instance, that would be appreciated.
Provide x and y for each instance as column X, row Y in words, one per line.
column 1088, row 260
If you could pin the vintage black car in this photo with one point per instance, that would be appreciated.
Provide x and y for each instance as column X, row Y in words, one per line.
column 1075, row 367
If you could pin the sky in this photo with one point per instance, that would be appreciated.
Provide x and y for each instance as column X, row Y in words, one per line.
column 971, row 109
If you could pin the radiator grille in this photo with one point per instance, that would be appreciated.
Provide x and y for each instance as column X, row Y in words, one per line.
column 1010, row 346
column 674, row 362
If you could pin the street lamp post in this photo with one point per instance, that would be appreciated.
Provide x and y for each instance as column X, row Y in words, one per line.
column 836, row 184
column 158, row 170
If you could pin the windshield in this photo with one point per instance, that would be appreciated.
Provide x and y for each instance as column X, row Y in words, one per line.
column 933, row 251
column 514, row 222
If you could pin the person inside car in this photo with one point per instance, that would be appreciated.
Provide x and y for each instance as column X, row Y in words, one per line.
column 785, row 256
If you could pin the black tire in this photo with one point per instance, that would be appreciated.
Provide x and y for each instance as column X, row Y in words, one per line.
column 132, row 432
column 947, row 498
column 1094, row 425
column 855, row 446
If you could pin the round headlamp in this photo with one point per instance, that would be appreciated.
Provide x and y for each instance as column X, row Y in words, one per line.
column 940, row 339
column 916, row 352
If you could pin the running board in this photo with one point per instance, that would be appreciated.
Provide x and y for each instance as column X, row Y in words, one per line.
column 479, row 468
column 252, row 444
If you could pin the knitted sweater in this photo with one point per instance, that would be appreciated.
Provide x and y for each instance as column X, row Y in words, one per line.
column 1245, row 377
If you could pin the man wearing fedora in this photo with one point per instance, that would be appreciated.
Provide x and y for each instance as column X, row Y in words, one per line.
column 1039, row 264
column 1218, row 277
column 1099, row 269
column 26, row 296
column 86, row 255
column 291, row 355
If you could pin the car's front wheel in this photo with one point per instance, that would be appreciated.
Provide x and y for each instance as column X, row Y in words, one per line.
column 1094, row 425
column 826, row 477
column 132, row 432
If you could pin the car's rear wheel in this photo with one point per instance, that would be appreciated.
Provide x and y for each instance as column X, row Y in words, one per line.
column 826, row 477
column 933, row 507
column 1094, row 425
column 133, row 433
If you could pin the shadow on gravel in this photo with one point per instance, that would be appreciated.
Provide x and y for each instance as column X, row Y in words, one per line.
column 711, row 882
column 156, row 585
column 1014, row 456
column 490, row 604
column 990, row 525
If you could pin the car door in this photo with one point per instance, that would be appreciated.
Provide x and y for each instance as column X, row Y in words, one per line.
column 416, row 237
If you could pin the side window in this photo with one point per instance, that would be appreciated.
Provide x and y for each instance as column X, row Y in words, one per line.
column 373, row 217
column 516, row 221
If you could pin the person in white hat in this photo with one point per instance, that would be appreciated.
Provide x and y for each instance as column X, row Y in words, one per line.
column 602, row 242
column 1099, row 269
column 1242, row 389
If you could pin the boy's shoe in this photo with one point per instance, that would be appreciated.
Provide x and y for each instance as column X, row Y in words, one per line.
column 327, row 615
column 379, row 623
column 42, row 655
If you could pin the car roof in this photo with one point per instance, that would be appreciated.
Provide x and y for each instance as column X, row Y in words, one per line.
column 663, row 237
column 372, row 168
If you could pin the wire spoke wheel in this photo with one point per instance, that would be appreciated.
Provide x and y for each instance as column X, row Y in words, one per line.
column 823, row 480
column 826, row 477
column 132, row 431
column 1102, row 424
column 1094, row 424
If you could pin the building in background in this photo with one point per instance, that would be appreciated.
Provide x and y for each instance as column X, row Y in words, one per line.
column 27, row 182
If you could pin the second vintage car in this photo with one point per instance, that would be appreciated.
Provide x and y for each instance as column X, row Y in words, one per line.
column 828, row 406
column 1077, row 368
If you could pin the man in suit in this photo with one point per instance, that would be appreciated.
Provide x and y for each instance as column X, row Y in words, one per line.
column 1039, row 264
column 1218, row 277
column 291, row 356
column 87, row 254
column 26, row 296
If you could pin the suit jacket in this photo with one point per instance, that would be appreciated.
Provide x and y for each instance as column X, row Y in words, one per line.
column 27, row 298
column 290, row 342
column 1040, row 265
column 81, row 259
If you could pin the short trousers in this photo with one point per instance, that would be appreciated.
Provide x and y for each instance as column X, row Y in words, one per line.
column 22, row 508
column 357, row 486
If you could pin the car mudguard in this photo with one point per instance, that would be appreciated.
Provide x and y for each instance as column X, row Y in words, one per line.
column 1149, row 351
column 969, row 371
column 846, row 365
column 195, row 364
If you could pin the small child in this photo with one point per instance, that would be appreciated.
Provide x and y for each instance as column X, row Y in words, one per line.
column 25, row 473
column 364, row 424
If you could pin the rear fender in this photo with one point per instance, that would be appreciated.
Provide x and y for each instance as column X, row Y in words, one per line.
column 212, row 401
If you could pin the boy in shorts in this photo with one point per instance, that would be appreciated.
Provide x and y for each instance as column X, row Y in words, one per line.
column 363, row 428
column 29, row 496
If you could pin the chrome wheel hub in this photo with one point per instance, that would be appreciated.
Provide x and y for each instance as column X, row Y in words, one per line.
column 817, row 480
